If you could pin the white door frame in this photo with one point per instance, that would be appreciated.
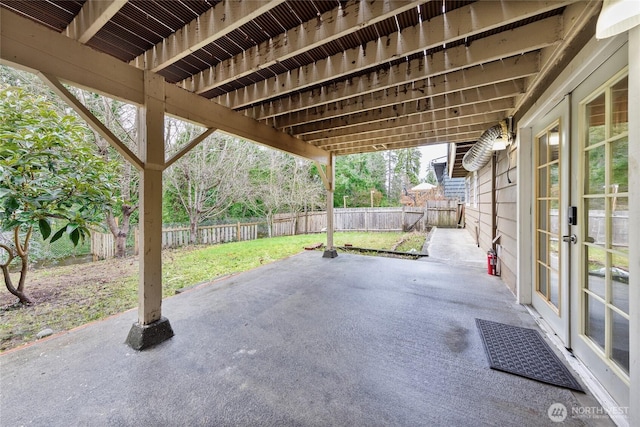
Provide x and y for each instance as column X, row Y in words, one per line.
column 556, row 315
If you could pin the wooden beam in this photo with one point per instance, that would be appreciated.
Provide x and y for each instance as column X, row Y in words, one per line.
column 184, row 150
column 502, row 90
column 197, row 109
column 91, row 120
column 379, row 136
column 291, row 112
column 436, row 134
column 28, row 45
column 428, row 133
column 37, row 48
column 329, row 26
column 427, row 141
column 404, row 95
column 323, row 176
column 524, row 39
column 217, row 22
column 480, row 108
column 92, row 17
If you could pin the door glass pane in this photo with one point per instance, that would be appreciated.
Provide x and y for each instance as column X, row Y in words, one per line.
column 542, row 150
column 620, row 289
column 542, row 214
column 596, row 270
column 542, row 182
column 619, row 220
column 620, row 107
column 595, row 170
column 554, row 144
column 542, row 247
column 542, row 279
column 554, row 180
column 619, row 166
column 620, row 350
column 554, row 284
column 594, row 320
column 595, row 120
column 595, row 221
column 554, row 215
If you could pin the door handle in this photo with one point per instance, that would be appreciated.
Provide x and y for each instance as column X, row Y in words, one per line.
column 570, row 239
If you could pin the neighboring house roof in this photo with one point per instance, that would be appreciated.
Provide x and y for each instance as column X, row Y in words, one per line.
column 425, row 186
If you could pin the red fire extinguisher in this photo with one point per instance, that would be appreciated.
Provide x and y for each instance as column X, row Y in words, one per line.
column 492, row 260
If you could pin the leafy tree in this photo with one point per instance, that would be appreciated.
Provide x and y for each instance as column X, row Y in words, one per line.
column 47, row 172
column 357, row 175
column 408, row 166
column 119, row 118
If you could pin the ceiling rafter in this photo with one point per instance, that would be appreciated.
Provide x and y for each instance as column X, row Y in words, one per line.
column 330, row 26
column 478, row 108
column 490, row 92
column 495, row 72
column 471, row 136
column 92, row 17
column 380, row 135
column 441, row 133
column 412, row 40
column 217, row 22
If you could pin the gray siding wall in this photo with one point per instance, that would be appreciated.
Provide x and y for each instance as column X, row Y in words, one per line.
column 479, row 221
column 506, row 213
column 478, row 218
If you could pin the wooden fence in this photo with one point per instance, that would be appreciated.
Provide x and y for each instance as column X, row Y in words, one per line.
column 441, row 213
column 103, row 245
column 211, row 234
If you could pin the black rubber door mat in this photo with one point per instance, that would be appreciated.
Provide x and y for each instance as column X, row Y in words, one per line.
column 523, row 351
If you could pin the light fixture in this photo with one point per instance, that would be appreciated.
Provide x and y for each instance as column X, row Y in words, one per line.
column 616, row 17
column 501, row 142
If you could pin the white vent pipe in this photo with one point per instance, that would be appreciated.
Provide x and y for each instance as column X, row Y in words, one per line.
column 480, row 154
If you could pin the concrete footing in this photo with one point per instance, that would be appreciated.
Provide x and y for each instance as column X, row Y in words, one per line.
column 144, row 336
column 330, row 253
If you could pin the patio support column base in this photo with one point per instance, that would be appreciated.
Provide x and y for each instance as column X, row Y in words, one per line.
column 330, row 253
column 142, row 337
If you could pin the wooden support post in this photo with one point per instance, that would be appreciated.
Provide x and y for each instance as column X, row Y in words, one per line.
column 151, row 328
column 330, row 252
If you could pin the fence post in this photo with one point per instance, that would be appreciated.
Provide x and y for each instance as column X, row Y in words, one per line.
column 238, row 232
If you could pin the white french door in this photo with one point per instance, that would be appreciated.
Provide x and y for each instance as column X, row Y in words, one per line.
column 550, row 293
column 601, row 266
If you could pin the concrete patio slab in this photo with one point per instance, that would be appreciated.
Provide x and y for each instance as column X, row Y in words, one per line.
column 455, row 246
column 307, row 341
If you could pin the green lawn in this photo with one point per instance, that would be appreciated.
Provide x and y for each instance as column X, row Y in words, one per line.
column 70, row 296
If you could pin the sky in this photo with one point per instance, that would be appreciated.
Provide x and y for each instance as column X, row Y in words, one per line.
column 431, row 152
